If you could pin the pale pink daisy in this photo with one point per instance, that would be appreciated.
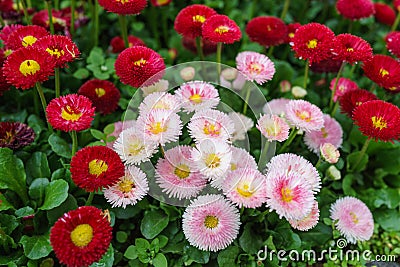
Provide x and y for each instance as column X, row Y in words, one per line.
column 304, row 115
column 197, row 95
column 242, row 159
column 330, row 153
column 295, row 165
column 211, row 124
column 160, row 86
column 344, row 85
column 159, row 100
column 255, row 66
column 130, row 188
column 118, row 127
column 242, row 124
column 245, row 188
column 331, row 132
column 274, row 128
column 160, row 126
column 276, row 107
column 177, row 175
column 132, row 147
column 353, row 219
column 211, row 223
column 308, row 222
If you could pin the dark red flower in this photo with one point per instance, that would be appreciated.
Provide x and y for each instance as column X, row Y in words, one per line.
column 15, row 135
column 384, row 71
column 292, row 28
column 103, row 94
column 118, row 45
column 267, row 31
column 191, row 45
column 384, row 14
column 123, row 7
column 313, row 42
column 6, row 31
column 81, row 237
column 25, row 36
column 160, row 2
column 4, row 85
column 355, row 9
column 396, row 4
column 327, row 65
column 6, row 5
column 95, row 167
column 60, row 22
column 351, row 48
column 378, row 120
column 137, row 64
column 393, row 43
column 190, row 19
column 221, row 29
column 353, row 98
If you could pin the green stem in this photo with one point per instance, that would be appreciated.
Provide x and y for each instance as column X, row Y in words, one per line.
column 90, row 199
column 50, row 14
column 336, row 83
column 29, row 4
column 262, row 162
column 289, row 140
column 372, row 88
column 124, row 29
column 95, row 16
column 2, row 21
column 219, row 53
column 72, row 27
column 353, row 68
column 362, row 153
column 25, row 9
column 246, row 100
column 57, row 81
column 285, row 9
column 154, row 27
column 350, row 28
column 335, row 107
column 396, row 23
column 74, row 138
column 253, row 8
column 318, row 163
column 270, row 51
column 307, row 67
column 199, row 47
column 162, row 150
column 164, row 24
column 43, row 100
column 56, row 4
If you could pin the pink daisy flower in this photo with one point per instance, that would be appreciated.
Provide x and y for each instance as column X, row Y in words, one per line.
column 242, row 124
column 276, row 106
column 242, row 159
column 177, row 174
column 197, row 95
column 353, row 219
column 119, row 126
column 308, row 222
column 211, row 124
column 273, row 128
column 159, row 101
column 130, row 188
column 255, row 66
column 245, row 188
column 304, row 115
column 331, row 132
column 211, row 223
column 344, row 85
column 330, row 153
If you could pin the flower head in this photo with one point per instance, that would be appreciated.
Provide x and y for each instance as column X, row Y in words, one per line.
column 190, row 20
column 119, row 126
column 355, row 9
column 351, row 48
column 211, row 223
column 309, row 221
column 25, row 36
column 273, row 128
column 384, row 13
column 393, row 43
column 197, row 96
column 396, row 5
column 81, row 237
column 267, row 30
column 15, row 135
column 159, row 101
column 329, row 153
column 70, row 113
column 117, row 43
column 60, row 21
column 255, row 66
column 159, row 86
column 383, row 70
column 353, row 98
column 242, row 159
column 304, row 115
column 242, row 124
column 221, row 29
column 353, row 219
column 276, row 106
column 6, row 32
column 344, row 85
column 123, row 7
column 291, row 30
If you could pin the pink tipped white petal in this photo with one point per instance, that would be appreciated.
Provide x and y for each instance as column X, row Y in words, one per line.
column 197, row 95
column 242, row 124
column 273, row 128
column 159, row 101
column 309, row 221
column 255, row 66
column 330, row 153
column 304, row 115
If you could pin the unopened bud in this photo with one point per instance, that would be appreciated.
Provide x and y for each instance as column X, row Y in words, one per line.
column 329, row 153
column 333, row 173
column 298, row 92
column 285, row 86
column 188, row 73
column 229, row 74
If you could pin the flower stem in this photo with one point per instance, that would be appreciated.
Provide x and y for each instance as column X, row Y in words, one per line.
column 26, row 14
column 219, row 53
column 307, row 67
column 2, row 21
column 50, row 14
column 162, row 150
column 56, row 4
column 262, row 162
column 362, row 153
column 199, row 46
column 164, row 24
column 74, row 138
column 57, row 81
column 95, row 17
column 289, row 140
column 72, row 26
column 335, row 86
column 44, row 104
column 270, row 51
column 124, row 29
column 285, row 9
column 318, row 163
column 90, row 199
column 246, row 100
column 396, row 23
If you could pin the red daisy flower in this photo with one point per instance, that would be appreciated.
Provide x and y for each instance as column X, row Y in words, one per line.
column 61, row 48
column 160, row 2
column 351, row 48
column 191, row 45
column 354, row 98
column 15, row 135
column 383, row 70
column 135, row 65
column 327, row 65
column 384, row 14
column 6, row 32
column 25, row 36
column 60, row 22
column 291, row 29
column 4, row 85
column 118, row 45
column 6, row 5
column 221, row 29
column 95, row 167
column 103, row 94
column 396, row 4
column 124, row 7
column 379, row 120
column 28, row 65
column 190, row 19
column 393, row 43
column 355, row 9
column 267, row 30
column 81, row 237
column 313, row 42
column 70, row 113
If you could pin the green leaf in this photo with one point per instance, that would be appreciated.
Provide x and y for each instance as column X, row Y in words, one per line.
column 142, row 244
column 69, row 204
column 97, row 134
column 37, row 166
column 36, row 123
column 227, row 257
column 160, row 260
column 38, row 187
column 320, row 234
column 249, row 241
column 36, row 247
column 131, row 253
column 192, row 254
column 56, row 193
column 109, row 129
column 153, row 223
column 59, row 146
column 106, row 260
column 101, row 75
column 25, row 211
column 388, row 219
column 4, row 204
column 96, row 56
column 347, row 183
column 389, row 197
column 163, row 241
column 12, row 173
column 81, row 74
column 354, row 163
column 8, row 223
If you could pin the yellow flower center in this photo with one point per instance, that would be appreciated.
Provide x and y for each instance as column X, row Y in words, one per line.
column 213, row 161
column 304, row 115
column 354, row 217
column 82, row 235
column 211, row 222
column 140, row 63
column 182, row 171
column 161, row 105
column 100, row 92
column 211, row 129
column 350, row 49
column 125, row 185
column 269, row 28
column 55, row 52
column 221, row 30
column 255, row 67
column 383, row 72
column 134, row 148
column 287, row 194
column 162, row 2
column 199, row 18
column 312, row 43
column 244, row 190
column 233, row 166
column 122, row 1
column 157, row 128
column 97, row 167
column 8, row 136
column 29, row 67
column 70, row 114
column 291, row 34
column 324, row 132
column 196, row 98
column 379, row 122
column 28, row 40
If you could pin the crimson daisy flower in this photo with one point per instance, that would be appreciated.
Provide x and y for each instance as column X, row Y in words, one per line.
column 354, row 98
column 61, row 48
column 384, row 71
column 95, row 167
column 6, row 5
column 28, row 65
column 313, row 42
column 191, row 45
column 327, row 65
column 25, row 36
column 384, row 14
column 267, row 30
column 70, row 113
column 15, row 135
column 351, row 48
column 378, row 120
column 103, row 94
column 118, row 45
column 291, row 29
column 135, row 65
column 4, row 85
column 221, row 29
column 393, row 43
column 396, row 4
column 355, row 9
column 124, row 7
column 190, row 19
column 81, row 237
column 6, row 32
column 60, row 22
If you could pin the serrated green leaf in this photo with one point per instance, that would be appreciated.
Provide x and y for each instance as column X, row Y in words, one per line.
column 59, row 146
column 388, row 219
column 160, row 260
column 36, row 247
column 56, row 193
column 153, row 223
column 96, row 56
column 388, row 196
